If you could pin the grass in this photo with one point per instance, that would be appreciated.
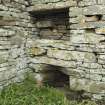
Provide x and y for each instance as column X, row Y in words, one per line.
column 27, row 93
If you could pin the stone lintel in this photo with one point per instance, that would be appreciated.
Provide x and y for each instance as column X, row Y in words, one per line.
column 48, row 7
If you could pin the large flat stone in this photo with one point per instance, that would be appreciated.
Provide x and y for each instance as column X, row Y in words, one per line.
column 52, row 61
column 46, row 43
column 44, row 24
column 71, row 55
column 93, row 10
column 87, row 38
column 45, row 7
column 36, row 51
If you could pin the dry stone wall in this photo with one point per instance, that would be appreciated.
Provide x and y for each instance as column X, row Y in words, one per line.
column 15, row 26
column 83, row 56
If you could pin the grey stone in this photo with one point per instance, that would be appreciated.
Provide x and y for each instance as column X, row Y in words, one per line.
column 53, row 61
column 86, row 84
column 71, row 55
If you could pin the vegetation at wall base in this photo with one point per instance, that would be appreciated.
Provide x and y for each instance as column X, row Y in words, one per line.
column 27, row 93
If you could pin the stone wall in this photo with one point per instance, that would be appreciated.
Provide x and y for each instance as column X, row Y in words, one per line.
column 83, row 56
column 15, row 27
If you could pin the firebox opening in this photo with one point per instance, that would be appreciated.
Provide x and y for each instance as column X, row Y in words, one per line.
column 53, row 76
column 53, row 24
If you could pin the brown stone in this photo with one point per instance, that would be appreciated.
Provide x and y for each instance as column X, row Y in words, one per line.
column 5, row 23
column 100, row 30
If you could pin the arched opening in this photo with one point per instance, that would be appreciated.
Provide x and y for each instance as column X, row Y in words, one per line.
column 53, row 76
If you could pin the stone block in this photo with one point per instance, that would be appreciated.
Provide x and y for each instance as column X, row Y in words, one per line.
column 71, row 55
column 51, row 6
column 8, row 74
column 75, row 11
column 6, row 32
column 86, row 38
column 88, row 25
column 87, row 85
column 5, row 23
column 100, row 31
column 52, row 61
column 4, row 57
column 36, row 51
column 44, row 24
column 91, row 65
column 48, row 34
column 91, row 18
column 2, row 7
column 53, row 43
column 21, row 63
column 87, row 2
column 101, row 2
column 93, row 10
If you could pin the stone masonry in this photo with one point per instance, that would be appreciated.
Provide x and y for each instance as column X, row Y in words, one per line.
column 29, row 40
column 15, row 26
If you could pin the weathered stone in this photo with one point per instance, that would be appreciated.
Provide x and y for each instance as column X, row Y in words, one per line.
column 48, row 34
column 71, row 55
column 16, row 52
column 44, row 7
column 2, row 7
column 17, row 40
column 3, row 57
column 86, row 38
column 53, row 43
column 87, row 85
column 87, row 2
column 75, row 11
column 37, row 51
column 4, row 32
column 5, row 75
column 44, row 24
column 93, row 10
column 101, row 2
column 101, row 56
column 88, row 25
column 4, row 23
column 78, row 19
column 21, row 63
column 91, row 18
column 52, row 61
column 91, row 65
column 100, row 30
column 77, row 31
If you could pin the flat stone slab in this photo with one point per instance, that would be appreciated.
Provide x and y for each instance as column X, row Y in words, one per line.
column 46, row 7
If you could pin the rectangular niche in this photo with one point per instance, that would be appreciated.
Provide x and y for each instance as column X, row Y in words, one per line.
column 53, row 24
